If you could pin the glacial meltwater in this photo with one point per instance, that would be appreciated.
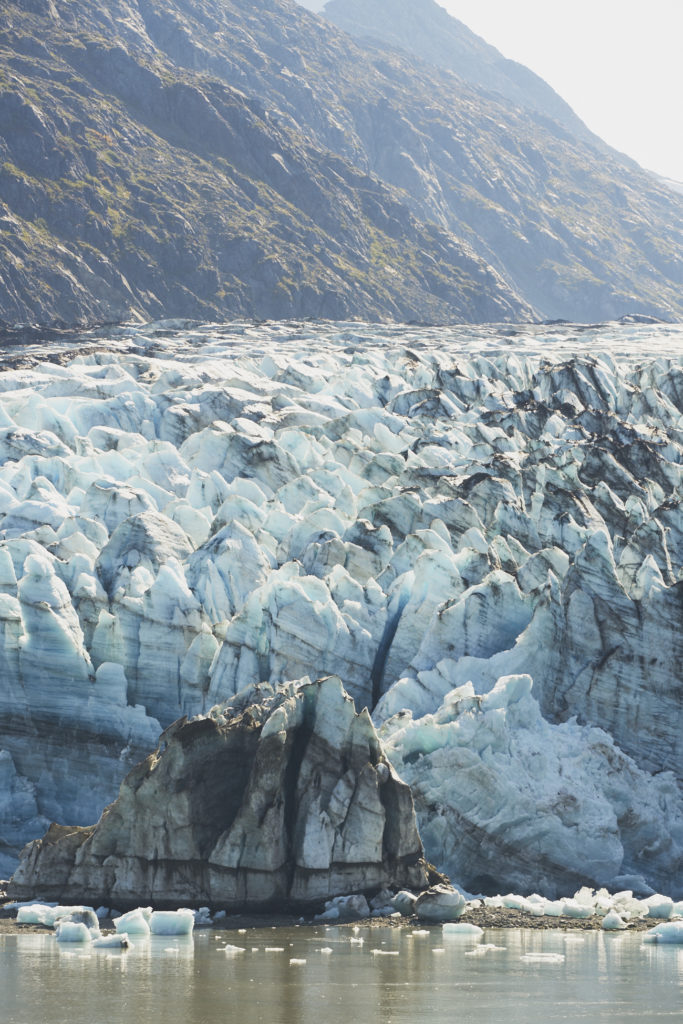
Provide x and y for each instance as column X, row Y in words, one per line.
column 365, row 976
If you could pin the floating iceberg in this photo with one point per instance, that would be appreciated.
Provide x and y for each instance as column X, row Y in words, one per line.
column 72, row 931
column 171, row 922
column 135, row 922
column 112, row 942
column 670, row 932
column 462, row 928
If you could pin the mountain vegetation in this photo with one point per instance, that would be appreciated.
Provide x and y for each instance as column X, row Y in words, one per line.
column 221, row 158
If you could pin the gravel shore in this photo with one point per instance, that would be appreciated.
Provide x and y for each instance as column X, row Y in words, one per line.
column 485, row 917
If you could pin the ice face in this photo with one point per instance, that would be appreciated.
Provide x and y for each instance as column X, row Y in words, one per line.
column 563, row 790
column 186, row 514
column 280, row 798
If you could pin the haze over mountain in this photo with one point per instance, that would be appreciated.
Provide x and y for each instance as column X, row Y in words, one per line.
column 426, row 30
column 215, row 159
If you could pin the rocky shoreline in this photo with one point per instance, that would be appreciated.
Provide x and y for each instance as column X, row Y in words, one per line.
column 484, row 917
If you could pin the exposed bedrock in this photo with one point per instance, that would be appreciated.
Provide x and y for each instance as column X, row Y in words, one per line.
column 275, row 798
column 204, row 509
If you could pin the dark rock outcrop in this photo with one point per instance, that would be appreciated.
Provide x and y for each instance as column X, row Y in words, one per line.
column 286, row 800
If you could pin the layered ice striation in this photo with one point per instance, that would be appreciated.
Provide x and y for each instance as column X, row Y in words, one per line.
column 499, row 787
column 478, row 530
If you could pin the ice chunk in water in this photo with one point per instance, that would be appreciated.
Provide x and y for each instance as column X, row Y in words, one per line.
column 113, row 942
column 172, row 922
column 671, row 931
column 132, row 923
column 72, row 931
column 462, row 928
column 81, row 915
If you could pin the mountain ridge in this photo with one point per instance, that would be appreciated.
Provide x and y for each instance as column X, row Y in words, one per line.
column 222, row 159
column 427, row 31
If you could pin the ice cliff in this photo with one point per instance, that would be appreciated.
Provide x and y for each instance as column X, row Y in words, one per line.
column 478, row 530
column 273, row 798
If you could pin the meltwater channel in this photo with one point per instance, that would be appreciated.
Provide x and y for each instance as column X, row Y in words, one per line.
column 365, row 975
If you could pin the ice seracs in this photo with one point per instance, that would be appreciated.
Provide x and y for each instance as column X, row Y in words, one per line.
column 525, row 784
column 186, row 515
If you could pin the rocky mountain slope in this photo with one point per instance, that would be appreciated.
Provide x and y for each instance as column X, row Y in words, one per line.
column 426, row 30
column 216, row 159
column 131, row 184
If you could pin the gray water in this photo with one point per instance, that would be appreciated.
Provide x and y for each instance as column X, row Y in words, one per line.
column 533, row 977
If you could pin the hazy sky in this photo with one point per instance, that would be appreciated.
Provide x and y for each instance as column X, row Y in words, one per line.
column 618, row 63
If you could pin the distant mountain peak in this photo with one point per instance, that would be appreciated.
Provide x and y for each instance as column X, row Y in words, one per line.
column 426, row 30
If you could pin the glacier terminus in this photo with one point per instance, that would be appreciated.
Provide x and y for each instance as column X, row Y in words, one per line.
column 477, row 530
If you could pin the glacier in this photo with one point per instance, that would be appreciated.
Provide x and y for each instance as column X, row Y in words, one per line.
column 477, row 529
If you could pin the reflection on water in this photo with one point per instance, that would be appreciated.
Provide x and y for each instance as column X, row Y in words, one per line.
column 511, row 976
